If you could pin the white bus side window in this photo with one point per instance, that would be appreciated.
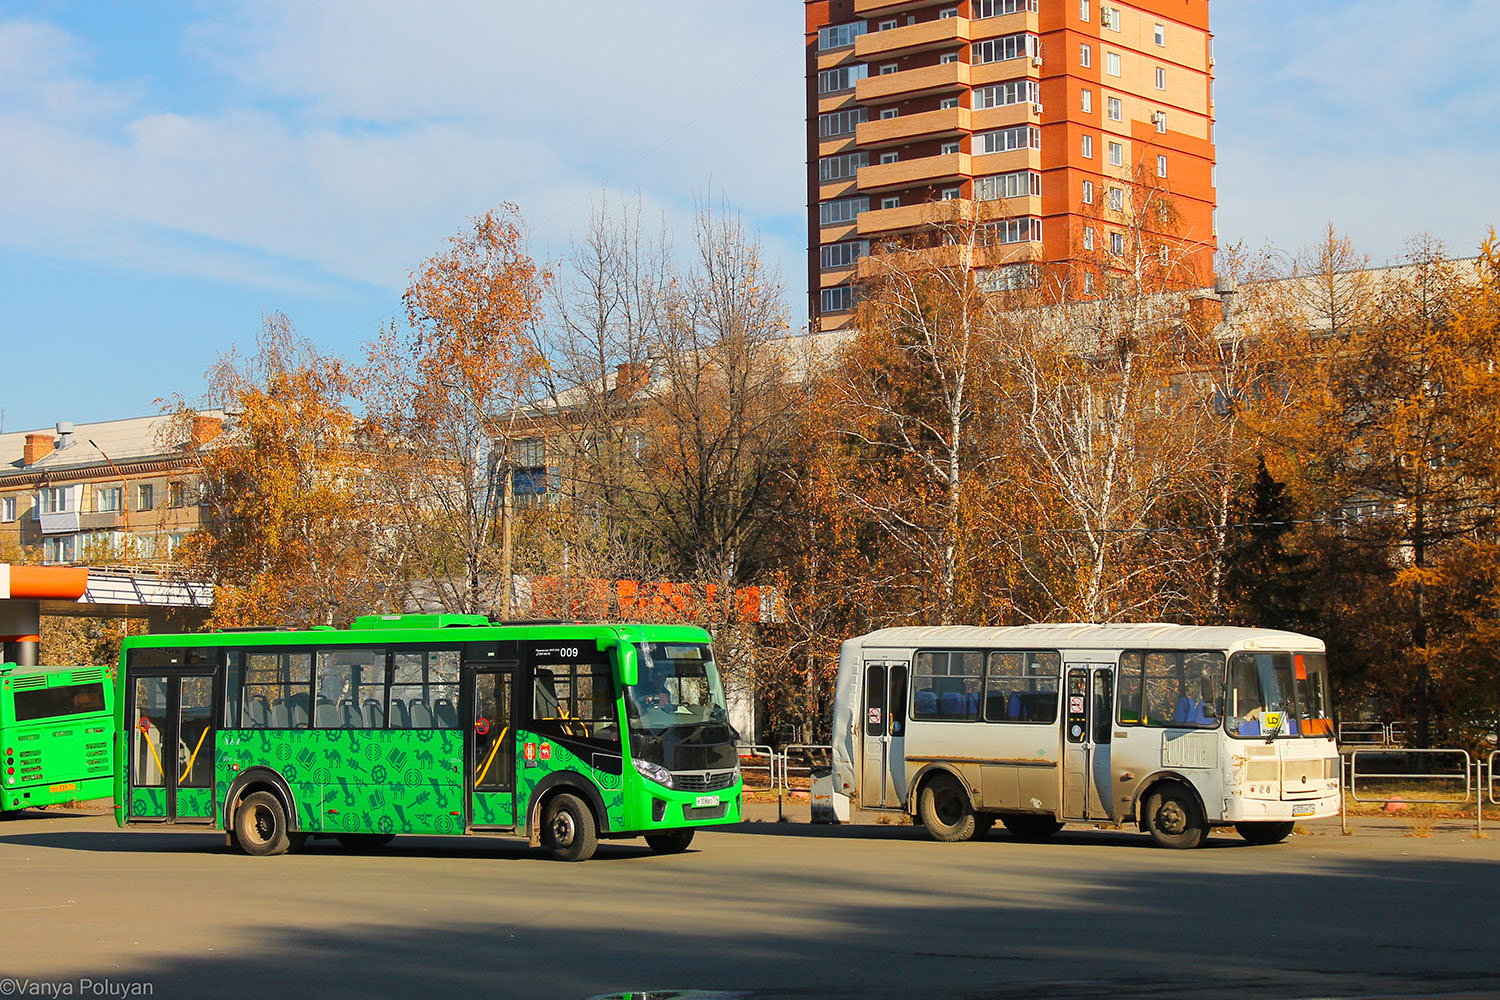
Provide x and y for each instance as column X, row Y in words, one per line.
column 1021, row 686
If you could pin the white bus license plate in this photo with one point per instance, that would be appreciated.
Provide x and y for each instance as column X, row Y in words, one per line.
column 703, row 801
column 1304, row 809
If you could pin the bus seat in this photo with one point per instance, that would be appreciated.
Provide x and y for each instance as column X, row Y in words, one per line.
column 400, row 718
column 926, row 702
column 1014, row 710
column 421, row 715
column 971, row 704
column 299, row 715
column 996, row 705
column 280, row 719
column 257, row 712
column 446, row 714
column 953, row 703
column 328, row 716
column 1185, row 708
column 350, row 711
column 1249, row 727
column 374, row 714
column 1203, row 715
column 1293, row 728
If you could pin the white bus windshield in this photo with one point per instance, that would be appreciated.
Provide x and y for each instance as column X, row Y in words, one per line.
column 1295, row 685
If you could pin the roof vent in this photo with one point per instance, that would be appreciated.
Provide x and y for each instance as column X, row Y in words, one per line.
column 64, row 434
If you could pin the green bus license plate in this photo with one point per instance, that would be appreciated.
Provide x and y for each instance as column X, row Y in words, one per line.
column 705, row 800
column 1304, row 809
column 69, row 786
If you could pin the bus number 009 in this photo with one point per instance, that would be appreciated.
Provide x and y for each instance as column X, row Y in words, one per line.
column 562, row 652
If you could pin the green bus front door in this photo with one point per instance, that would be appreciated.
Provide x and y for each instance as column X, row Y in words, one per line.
column 492, row 751
column 171, row 766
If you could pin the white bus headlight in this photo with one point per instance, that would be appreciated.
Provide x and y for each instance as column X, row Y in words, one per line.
column 653, row 772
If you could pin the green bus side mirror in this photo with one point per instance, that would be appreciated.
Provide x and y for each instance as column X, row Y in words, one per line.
column 626, row 668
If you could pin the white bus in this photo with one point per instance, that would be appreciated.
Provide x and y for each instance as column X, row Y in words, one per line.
column 1176, row 728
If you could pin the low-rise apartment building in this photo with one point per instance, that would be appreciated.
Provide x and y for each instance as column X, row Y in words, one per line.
column 116, row 491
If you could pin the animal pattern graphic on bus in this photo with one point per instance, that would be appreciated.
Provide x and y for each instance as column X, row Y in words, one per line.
column 383, row 781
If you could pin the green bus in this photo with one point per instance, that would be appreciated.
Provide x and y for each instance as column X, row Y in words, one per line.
column 428, row 724
column 55, row 728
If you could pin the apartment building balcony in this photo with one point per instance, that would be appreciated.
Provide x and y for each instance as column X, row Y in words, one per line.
column 912, row 173
column 987, row 256
column 933, row 213
column 908, row 128
column 945, row 78
column 944, row 33
column 872, row 8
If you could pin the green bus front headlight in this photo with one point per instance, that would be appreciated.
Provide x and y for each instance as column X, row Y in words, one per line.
column 653, row 772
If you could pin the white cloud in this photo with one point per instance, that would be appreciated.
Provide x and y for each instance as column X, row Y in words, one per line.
column 358, row 135
column 1377, row 116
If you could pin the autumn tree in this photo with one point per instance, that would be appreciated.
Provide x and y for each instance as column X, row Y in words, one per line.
column 906, row 398
column 289, row 532
column 444, row 392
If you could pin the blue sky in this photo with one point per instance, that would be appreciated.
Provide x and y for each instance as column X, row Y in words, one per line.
column 170, row 170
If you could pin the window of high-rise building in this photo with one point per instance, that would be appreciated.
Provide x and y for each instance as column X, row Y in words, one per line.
column 1088, row 147
column 838, row 211
column 890, row 201
column 999, row 95
column 1085, row 55
column 833, row 256
column 1161, row 34
column 1110, row 18
column 1160, row 121
column 947, row 103
column 888, row 24
column 1112, row 63
column 1116, row 109
column 1088, row 192
column 1117, row 244
column 1116, row 154
column 1161, row 166
column 1003, row 140
column 948, row 149
column 1083, row 11
column 839, row 36
column 836, row 123
column 841, row 78
column 838, row 168
column 948, row 57
column 890, row 157
column 1023, row 230
column 1161, row 78
column 889, row 113
column 1088, row 237
column 1016, row 184
column 1015, row 46
column 995, row 8
column 1117, row 199
column 839, row 298
column 947, row 12
column 1088, row 282
column 888, row 69
column 950, row 194
column 1087, row 99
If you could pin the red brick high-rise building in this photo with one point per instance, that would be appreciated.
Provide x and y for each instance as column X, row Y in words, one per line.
column 1053, row 109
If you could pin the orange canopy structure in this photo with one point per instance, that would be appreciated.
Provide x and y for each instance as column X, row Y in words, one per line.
column 50, row 583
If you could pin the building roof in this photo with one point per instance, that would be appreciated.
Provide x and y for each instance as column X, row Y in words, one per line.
column 128, row 440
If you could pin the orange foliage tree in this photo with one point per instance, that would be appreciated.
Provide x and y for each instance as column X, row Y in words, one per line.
column 290, row 531
column 442, row 393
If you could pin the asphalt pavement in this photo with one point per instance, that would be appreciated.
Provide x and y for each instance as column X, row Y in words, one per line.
column 762, row 910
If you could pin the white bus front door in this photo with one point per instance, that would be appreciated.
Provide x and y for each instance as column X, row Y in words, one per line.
column 1088, row 706
column 883, row 773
